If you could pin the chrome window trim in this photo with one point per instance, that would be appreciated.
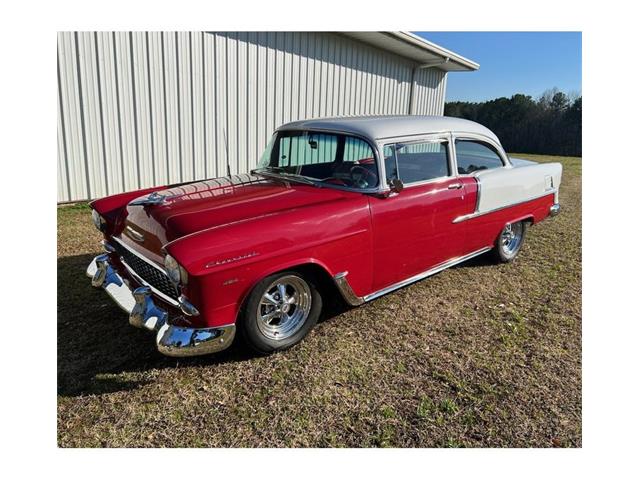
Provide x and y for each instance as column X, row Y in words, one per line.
column 478, row 194
column 427, row 182
column 410, row 138
column 350, row 297
column 426, row 138
column 476, row 214
column 433, row 132
column 506, row 163
column 474, row 137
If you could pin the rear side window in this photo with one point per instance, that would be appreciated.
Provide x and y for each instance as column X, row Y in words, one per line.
column 473, row 156
column 416, row 162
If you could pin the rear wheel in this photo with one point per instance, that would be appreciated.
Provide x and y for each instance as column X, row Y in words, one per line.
column 510, row 241
column 280, row 311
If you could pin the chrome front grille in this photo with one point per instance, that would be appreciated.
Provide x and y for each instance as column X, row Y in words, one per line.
column 152, row 275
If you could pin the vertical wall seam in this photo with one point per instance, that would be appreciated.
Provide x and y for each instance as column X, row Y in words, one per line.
column 246, row 106
column 193, row 123
column 83, row 130
column 266, row 87
column 101, row 116
column 257, row 91
column 151, row 129
column 337, row 76
column 291, row 81
column 320, row 77
column 226, row 102
column 204, row 107
column 215, row 103
column 310, row 80
column 64, row 129
column 179, row 107
column 356, row 82
column 135, row 109
column 275, row 78
column 283, row 36
column 237, row 53
column 166, row 113
column 300, row 97
column 117, row 84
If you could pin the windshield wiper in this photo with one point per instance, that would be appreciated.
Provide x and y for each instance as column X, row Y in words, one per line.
column 276, row 172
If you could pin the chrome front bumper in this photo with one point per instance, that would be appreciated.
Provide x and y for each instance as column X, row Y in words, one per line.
column 171, row 340
column 554, row 209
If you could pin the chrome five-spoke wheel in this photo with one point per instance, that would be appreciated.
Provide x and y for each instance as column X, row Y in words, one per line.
column 511, row 238
column 284, row 307
column 280, row 311
column 510, row 241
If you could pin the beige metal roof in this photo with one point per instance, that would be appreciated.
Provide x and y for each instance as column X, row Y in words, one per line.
column 417, row 49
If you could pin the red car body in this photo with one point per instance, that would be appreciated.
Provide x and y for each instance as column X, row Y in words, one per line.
column 229, row 233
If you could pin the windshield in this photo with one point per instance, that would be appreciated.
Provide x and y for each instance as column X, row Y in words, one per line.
column 322, row 158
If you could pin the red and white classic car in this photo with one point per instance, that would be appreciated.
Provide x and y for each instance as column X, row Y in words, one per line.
column 356, row 207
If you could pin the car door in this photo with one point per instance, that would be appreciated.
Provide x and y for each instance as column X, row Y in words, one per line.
column 413, row 230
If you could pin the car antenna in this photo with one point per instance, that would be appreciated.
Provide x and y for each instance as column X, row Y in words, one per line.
column 226, row 147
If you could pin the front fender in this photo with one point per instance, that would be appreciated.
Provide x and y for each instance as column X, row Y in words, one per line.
column 224, row 263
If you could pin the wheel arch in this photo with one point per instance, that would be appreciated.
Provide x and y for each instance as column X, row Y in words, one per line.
column 311, row 267
column 528, row 219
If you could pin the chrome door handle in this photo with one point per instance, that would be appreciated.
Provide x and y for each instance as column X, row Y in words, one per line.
column 453, row 186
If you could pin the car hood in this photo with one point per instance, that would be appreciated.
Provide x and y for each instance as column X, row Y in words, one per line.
column 194, row 207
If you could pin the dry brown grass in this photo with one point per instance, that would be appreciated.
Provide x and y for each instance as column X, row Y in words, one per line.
column 481, row 355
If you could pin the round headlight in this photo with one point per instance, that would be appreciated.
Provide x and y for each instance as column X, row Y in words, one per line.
column 175, row 272
column 98, row 220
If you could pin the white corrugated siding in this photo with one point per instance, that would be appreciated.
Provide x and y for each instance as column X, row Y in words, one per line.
column 152, row 108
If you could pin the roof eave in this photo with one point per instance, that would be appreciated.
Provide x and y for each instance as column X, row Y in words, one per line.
column 437, row 49
column 416, row 49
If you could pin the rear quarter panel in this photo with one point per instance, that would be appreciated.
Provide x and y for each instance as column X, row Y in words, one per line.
column 508, row 195
column 503, row 187
column 483, row 231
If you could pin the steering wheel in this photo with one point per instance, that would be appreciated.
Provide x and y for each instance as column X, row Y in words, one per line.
column 360, row 180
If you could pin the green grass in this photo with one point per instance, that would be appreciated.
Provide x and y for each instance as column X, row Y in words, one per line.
column 481, row 355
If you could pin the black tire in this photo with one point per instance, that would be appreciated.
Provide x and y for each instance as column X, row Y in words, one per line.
column 262, row 337
column 505, row 251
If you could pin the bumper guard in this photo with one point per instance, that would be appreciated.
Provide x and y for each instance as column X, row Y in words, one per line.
column 172, row 340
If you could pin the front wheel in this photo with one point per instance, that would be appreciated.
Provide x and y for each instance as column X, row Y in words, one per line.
column 279, row 312
column 510, row 241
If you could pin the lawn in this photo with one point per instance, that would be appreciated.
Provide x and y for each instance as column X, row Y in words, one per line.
column 480, row 355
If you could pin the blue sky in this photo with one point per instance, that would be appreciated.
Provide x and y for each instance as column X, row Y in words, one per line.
column 512, row 62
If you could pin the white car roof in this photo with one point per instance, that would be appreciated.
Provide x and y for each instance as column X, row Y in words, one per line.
column 381, row 127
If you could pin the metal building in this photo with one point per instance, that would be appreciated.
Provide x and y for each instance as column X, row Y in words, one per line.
column 138, row 109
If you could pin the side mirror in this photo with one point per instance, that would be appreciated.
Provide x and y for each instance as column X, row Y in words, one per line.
column 396, row 185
